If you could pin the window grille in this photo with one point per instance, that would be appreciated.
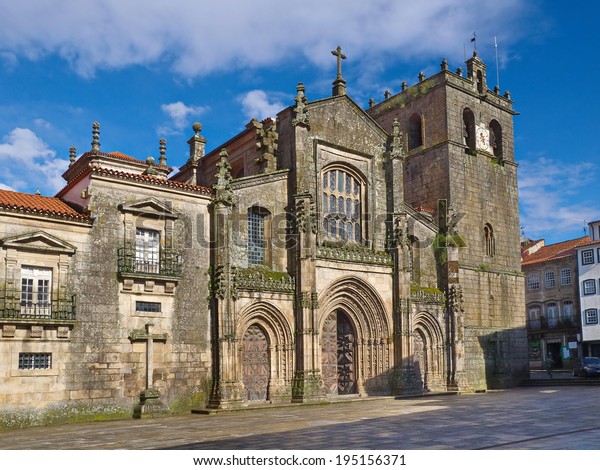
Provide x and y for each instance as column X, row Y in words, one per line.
column 256, row 237
column 147, row 306
column 35, row 361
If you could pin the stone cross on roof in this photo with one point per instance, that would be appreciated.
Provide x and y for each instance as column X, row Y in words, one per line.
column 340, row 57
column 339, row 85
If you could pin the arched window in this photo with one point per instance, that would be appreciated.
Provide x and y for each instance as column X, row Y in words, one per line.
column 469, row 129
column 258, row 240
column 342, row 205
column 415, row 132
column 479, row 81
column 496, row 138
column 490, row 242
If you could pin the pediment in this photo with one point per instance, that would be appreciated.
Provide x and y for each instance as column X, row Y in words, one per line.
column 38, row 241
column 150, row 207
column 337, row 103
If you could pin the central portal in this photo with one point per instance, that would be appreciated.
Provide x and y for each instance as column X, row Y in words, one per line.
column 338, row 354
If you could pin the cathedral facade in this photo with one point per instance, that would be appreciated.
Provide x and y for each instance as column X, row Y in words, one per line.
column 332, row 251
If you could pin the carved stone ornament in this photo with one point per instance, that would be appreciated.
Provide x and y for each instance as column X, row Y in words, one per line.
column 266, row 143
column 455, row 299
column 306, row 217
column 299, row 109
column 224, row 193
column 397, row 141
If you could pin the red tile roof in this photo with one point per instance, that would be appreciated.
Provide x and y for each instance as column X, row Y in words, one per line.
column 11, row 201
column 555, row 251
column 153, row 180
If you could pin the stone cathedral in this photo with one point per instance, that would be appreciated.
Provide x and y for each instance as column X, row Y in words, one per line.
column 329, row 251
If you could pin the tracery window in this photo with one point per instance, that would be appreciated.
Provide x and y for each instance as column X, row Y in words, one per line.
column 342, row 205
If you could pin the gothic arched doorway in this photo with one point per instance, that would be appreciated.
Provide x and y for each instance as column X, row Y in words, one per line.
column 338, row 349
column 255, row 363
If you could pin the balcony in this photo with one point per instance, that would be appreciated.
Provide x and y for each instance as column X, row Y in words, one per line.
column 167, row 264
column 50, row 308
column 544, row 323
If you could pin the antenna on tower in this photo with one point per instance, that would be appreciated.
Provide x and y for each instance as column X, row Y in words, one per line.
column 497, row 69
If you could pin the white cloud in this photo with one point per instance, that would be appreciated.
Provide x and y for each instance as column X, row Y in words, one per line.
column 180, row 115
column 42, row 123
column 256, row 104
column 197, row 37
column 23, row 155
column 554, row 198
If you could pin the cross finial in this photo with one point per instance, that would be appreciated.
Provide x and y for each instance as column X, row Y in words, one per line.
column 340, row 57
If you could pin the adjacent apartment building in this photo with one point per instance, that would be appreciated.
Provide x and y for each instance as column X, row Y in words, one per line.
column 588, row 263
column 552, row 301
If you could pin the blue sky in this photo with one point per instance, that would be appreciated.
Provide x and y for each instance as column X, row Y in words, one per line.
column 147, row 70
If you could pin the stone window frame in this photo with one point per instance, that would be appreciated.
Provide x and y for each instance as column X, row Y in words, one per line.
column 356, row 195
column 591, row 316
column 150, row 214
column 549, row 280
column 40, row 250
column 263, row 256
column 566, row 278
column 533, row 281
column 587, row 257
column 588, row 287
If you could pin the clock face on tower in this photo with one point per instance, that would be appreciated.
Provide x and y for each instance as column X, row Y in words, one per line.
column 482, row 136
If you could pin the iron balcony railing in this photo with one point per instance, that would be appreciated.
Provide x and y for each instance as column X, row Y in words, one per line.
column 167, row 262
column 545, row 323
column 16, row 304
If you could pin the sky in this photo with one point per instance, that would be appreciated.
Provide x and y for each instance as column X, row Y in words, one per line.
column 148, row 70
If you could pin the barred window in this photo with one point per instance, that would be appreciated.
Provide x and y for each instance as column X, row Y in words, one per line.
column 587, row 257
column 147, row 306
column 591, row 316
column 35, row 360
column 549, row 280
column 257, row 245
column 533, row 281
column 342, row 206
column 565, row 277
